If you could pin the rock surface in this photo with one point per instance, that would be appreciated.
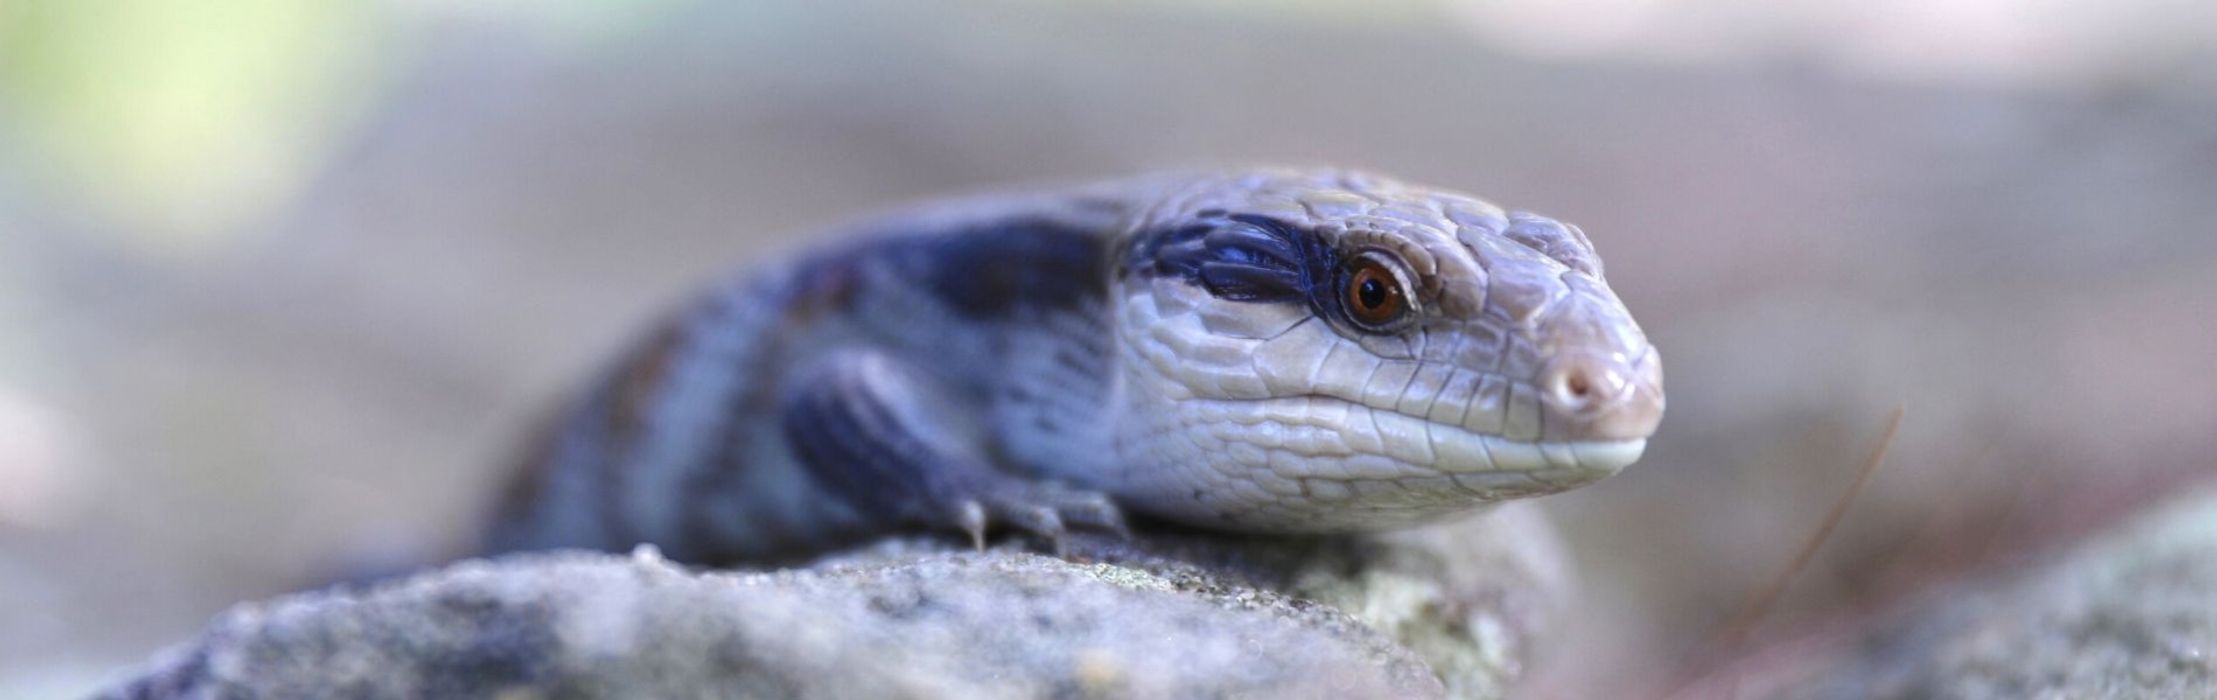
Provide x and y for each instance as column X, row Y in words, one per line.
column 2130, row 614
column 1451, row 610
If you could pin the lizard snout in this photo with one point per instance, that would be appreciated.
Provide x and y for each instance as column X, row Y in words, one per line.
column 1596, row 396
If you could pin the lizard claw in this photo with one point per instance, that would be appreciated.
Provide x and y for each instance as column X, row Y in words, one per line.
column 971, row 518
column 1046, row 510
column 1044, row 522
column 1095, row 511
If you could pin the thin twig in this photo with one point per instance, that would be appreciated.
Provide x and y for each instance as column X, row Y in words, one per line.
column 1758, row 606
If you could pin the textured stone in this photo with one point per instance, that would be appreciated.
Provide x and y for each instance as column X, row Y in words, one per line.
column 2130, row 614
column 1445, row 610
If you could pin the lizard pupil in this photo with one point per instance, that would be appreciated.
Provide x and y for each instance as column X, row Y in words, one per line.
column 1373, row 293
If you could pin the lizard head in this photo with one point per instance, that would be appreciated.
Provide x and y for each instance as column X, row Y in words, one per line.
column 1327, row 350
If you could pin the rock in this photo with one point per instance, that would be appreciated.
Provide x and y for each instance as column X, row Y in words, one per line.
column 1452, row 609
column 2129, row 614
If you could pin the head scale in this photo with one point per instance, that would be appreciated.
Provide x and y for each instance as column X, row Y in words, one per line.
column 1333, row 350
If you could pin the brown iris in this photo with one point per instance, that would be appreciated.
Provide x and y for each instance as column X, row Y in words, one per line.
column 1372, row 294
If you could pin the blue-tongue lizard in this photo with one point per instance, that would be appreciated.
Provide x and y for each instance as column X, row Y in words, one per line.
column 1284, row 351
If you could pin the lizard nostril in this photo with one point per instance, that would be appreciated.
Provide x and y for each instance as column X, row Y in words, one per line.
column 1581, row 385
column 1576, row 385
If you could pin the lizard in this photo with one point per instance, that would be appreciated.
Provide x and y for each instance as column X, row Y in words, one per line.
column 1263, row 350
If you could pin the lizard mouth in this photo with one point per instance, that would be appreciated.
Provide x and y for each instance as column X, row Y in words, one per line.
column 1496, row 466
column 1609, row 456
column 1532, row 468
column 1360, row 441
column 1455, row 449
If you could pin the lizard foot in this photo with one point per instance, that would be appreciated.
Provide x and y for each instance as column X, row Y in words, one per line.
column 1044, row 509
column 891, row 440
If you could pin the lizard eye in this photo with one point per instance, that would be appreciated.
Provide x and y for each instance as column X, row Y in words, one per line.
column 1372, row 294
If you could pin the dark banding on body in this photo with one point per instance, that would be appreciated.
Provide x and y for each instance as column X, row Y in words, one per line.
column 1005, row 270
column 639, row 379
column 822, row 287
column 532, row 473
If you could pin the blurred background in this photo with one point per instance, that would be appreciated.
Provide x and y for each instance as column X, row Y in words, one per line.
column 282, row 280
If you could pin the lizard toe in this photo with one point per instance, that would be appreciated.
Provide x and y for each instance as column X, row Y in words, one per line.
column 1046, row 510
column 1095, row 511
column 970, row 516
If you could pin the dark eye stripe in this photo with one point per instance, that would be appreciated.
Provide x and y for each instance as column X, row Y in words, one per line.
column 1242, row 258
column 1240, row 282
column 1250, row 258
column 1246, row 243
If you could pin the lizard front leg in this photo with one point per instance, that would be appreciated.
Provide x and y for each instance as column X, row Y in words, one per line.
column 893, row 441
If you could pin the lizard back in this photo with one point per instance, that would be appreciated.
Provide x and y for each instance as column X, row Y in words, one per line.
column 678, row 442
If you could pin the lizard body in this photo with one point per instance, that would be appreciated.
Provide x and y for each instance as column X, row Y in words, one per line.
column 1261, row 350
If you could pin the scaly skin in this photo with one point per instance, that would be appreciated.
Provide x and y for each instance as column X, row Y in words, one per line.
column 1265, row 350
